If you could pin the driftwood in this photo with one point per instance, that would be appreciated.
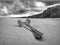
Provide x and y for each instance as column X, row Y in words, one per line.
column 38, row 35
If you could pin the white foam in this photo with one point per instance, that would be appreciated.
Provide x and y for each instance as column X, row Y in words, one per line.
column 5, row 10
column 29, row 13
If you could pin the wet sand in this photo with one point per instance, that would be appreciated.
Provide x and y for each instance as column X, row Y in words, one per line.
column 10, row 34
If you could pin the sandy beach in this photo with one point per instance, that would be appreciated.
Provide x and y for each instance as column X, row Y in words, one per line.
column 10, row 34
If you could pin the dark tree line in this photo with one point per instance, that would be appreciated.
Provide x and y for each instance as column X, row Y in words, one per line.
column 52, row 12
